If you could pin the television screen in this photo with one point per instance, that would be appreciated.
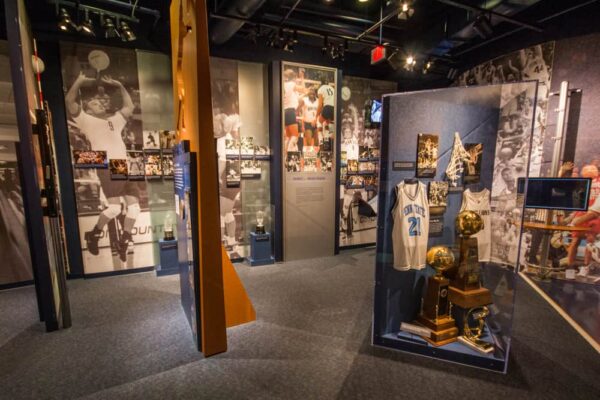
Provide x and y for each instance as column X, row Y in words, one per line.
column 376, row 112
column 557, row 193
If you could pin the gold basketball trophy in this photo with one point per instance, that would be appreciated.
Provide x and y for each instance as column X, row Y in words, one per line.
column 465, row 280
column 436, row 309
column 466, row 293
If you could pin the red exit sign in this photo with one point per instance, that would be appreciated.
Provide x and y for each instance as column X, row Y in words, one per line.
column 378, row 54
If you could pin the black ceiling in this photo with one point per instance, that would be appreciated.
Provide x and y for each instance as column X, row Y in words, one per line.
column 439, row 30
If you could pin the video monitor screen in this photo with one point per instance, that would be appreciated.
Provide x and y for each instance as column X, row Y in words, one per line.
column 557, row 193
column 376, row 112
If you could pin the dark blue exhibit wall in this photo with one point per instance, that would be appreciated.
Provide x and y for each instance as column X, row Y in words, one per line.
column 475, row 115
column 52, row 88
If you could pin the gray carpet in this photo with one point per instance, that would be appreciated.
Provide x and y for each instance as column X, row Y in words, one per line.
column 311, row 341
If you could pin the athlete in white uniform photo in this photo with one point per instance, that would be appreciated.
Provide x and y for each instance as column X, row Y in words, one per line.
column 479, row 202
column 104, row 132
column 310, row 105
column 411, row 226
column 326, row 110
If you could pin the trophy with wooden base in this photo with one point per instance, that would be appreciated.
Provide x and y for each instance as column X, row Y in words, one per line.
column 436, row 309
column 465, row 285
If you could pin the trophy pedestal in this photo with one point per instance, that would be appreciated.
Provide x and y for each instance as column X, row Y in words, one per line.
column 443, row 330
column 260, row 249
column 477, row 344
column 469, row 298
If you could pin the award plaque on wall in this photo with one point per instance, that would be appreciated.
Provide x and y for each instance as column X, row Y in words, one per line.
column 135, row 165
column 233, row 173
column 250, row 169
column 118, row 169
column 89, row 159
column 152, row 163
column 438, row 197
column 427, row 155
column 473, row 162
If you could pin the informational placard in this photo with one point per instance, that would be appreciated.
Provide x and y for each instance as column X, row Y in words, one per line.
column 309, row 108
column 187, row 228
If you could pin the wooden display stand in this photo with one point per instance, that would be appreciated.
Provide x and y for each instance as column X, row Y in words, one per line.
column 435, row 314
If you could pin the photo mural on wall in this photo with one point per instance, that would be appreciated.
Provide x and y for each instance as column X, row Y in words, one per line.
column 104, row 115
column 512, row 146
column 359, row 166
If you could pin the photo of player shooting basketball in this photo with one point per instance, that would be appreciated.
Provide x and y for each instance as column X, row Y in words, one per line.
column 89, row 102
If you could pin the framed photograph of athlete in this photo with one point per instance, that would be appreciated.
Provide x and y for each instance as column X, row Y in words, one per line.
column 309, row 96
column 472, row 169
column 427, row 155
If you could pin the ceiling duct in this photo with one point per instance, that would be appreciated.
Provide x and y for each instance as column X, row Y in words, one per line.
column 224, row 29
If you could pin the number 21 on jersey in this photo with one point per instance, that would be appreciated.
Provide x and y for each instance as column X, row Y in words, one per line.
column 415, row 226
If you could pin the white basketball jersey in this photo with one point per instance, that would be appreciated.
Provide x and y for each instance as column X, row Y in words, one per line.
column 411, row 226
column 480, row 203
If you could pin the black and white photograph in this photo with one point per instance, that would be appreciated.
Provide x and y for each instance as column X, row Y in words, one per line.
column 135, row 165
column 167, row 165
column 437, row 196
column 250, row 169
column 14, row 243
column 232, row 148
column 310, row 164
column 427, row 155
column 118, row 169
column 326, row 161
column 363, row 153
column 151, row 140
column 292, row 162
column 233, row 173
column 102, row 100
column 246, row 146
column 472, row 169
column 152, row 164
column 168, row 139
column 262, row 152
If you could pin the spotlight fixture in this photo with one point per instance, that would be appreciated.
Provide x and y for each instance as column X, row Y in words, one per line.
column 427, row 66
column 406, row 10
column 325, row 45
column 110, row 31
column 452, row 72
column 410, row 63
column 87, row 25
column 65, row 23
column 127, row 34
column 483, row 26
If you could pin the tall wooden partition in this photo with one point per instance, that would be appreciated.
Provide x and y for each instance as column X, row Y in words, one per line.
column 221, row 292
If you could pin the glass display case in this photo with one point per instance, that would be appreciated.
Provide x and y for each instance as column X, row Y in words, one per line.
column 449, row 228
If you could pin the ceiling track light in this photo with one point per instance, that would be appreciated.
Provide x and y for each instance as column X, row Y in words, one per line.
column 410, row 62
column 406, row 10
column 65, row 22
column 87, row 26
column 110, row 30
column 127, row 34
column 427, row 66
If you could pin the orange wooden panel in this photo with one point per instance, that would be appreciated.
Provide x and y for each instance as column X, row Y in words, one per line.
column 238, row 307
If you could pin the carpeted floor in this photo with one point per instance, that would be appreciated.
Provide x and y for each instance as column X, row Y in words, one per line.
column 130, row 339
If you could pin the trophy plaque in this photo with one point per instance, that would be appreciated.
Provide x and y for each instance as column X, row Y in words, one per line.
column 473, row 328
column 465, row 286
column 168, row 228
column 436, row 308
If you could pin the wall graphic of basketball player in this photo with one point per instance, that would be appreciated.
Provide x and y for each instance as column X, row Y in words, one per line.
column 104, row 131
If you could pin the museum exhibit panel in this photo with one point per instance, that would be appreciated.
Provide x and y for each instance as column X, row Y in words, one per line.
column 308, row 159
column 359, row 158
column 241, row 129
column 449, row 222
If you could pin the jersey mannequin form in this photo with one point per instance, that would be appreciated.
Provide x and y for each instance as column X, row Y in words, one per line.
column 104, row 131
